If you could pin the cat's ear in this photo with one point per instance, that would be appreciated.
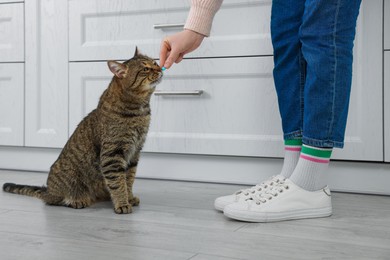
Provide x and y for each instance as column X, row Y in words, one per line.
column 118, row 69
column 137, row 52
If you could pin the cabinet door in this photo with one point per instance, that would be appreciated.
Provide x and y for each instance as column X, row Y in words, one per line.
column 87, row 81
column 364, row 134
column 103, row 29
column 387, row 106
column 11, row 104
column 46, row 73
column 11, row 33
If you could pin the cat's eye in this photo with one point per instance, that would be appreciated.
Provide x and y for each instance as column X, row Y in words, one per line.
column 146, row 69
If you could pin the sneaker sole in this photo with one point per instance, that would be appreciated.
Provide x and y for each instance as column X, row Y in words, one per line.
column 274, row 217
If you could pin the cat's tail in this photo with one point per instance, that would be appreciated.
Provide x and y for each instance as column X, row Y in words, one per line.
column 33, row 191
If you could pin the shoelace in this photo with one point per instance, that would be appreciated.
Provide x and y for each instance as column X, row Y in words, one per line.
column 259, row 187
column 267, row 195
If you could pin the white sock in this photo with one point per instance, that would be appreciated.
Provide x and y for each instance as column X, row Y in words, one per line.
column 292, row 150
column 309, row 173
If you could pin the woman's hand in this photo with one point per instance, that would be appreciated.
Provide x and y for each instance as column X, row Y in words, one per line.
column 174, row 47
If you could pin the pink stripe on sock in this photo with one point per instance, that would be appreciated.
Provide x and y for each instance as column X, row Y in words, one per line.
column 297, row 149
column 314, row 159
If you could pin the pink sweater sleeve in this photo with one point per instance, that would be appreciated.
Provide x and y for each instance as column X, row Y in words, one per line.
column 201, row 15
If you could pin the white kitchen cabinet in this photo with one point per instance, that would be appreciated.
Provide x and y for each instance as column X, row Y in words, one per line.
column 11, row 104
column 11, row 32
column 46, row 73
column 387, row 105
column 103, row 29
column 238, row 113
column 387, row 25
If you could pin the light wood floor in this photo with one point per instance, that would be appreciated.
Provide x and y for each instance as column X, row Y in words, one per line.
column 176, row 220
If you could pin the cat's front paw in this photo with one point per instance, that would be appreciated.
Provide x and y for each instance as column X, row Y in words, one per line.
column 127, row 209
column 78, row 204
column 134, row 201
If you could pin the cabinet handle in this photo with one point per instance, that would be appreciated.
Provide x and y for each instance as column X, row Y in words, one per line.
column 178, row 93
column 168, row 25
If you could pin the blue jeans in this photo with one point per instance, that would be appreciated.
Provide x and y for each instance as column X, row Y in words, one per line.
column 313, row 42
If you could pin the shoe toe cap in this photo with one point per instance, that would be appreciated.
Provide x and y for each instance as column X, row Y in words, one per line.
column 238, row 206
column 221, row 202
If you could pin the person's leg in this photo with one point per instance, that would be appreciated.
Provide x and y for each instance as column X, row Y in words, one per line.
column 309, row 173
column 327, row 34
column 289, row 75
column 289, row 65
column 292, row 150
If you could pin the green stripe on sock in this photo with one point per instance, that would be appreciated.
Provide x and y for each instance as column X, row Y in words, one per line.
column 316, row 152
column 295, row 142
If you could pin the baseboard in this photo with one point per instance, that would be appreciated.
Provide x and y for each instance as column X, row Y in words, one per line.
column 344, row 176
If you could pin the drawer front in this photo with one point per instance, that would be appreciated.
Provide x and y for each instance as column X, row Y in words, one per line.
column 103, row 29
column 387, row 25
column 11, row 104
column 237, row 114
column 11, row 33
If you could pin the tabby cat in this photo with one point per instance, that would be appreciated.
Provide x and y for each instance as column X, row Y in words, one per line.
column 99, row 160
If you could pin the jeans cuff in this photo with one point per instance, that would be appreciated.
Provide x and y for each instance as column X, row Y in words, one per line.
column 322, row 143
column 293, row 135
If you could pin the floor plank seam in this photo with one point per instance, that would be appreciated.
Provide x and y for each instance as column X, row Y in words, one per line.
column 192, row 257
column 241, row 227
column 225, row 257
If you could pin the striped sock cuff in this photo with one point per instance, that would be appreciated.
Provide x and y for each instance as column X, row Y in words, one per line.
column 294, row 145
column 316, row 154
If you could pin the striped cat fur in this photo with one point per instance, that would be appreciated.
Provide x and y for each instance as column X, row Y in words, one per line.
column 100, row 159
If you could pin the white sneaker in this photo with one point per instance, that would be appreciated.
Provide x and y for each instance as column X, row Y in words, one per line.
column 284, row 201
column 242, row 195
